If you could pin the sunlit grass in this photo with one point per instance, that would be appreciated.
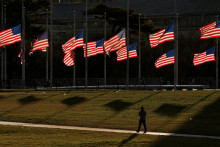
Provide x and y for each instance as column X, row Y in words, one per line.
column 167, row 111
column 26, row 136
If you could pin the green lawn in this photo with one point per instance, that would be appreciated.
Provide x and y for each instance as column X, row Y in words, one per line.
column 25, row 136
column 194, row 112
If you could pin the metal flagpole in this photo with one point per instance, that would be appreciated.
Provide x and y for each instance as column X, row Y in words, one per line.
column 176, row 49
column 5, row 52
column 104, row 52
column 127, row 43
column 86, row 37
column 2, row 49
column 139, row 76
column 51, row 44
column 47, row 57
column 74, row 32
column 176, row 54
column 217, row 60
column 23, row 45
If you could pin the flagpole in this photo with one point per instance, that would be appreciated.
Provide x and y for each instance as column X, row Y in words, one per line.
column 47, row 57
column 217, row 60
column 2, row 49
column 86, row 65
column 176, row 50
column 23, row 45
column 104, row 52
column 139, row 76
column 51, row 44
column 127, row 43
column 5, row 52
column 176, row 55
column 74, row 32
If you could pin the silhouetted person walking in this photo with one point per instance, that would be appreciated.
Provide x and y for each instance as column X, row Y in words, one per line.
column 142, row 115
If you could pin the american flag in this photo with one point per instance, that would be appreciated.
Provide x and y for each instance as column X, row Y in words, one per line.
column 122, row 53
column 206, row 56
column 69, row 59
column 41, row 43
column 162, row 36
column 69, row 46
column 115, row 43
column 10, row 36
column 73, row 43
column 211, row 30
column 93, row 48
column 165, row 59
column 99, row 46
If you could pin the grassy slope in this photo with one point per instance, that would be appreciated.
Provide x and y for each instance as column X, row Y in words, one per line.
column 25, row 136
column 168, row 111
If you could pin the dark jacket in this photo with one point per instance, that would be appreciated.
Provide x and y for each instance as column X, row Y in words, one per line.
column 142, row 114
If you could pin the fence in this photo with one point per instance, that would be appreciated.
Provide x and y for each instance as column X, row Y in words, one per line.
column 112, row 83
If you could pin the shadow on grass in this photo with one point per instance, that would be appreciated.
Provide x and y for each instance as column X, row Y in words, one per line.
column 73, row 100
column 69, row 102
column 163, row 125
column 201, row 100
column 28, row 100
column 118, row 105
column 23, row 101
column 128, row 139
column 206, row 122
column 170, row 110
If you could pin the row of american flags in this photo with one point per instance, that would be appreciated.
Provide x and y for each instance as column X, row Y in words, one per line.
column 209, row 31
column 116, row 43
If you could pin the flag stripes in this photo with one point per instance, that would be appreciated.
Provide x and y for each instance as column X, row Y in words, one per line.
column 204, row 57
column 69, row 46
column 99, row 46
column 93, row 48
column 162, row 36
column 211, row 30
column 73, row 43
column 69, row 59
column 41, row 43
column 165, row 59
column 100, row 50
column 115, row 43
column 10, row 36
column 122, row 53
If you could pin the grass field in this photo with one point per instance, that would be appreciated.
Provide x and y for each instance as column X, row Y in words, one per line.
column 25, row 136
column 191, row 112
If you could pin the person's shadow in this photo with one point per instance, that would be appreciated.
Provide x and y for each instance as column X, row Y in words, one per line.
column 128, row 139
